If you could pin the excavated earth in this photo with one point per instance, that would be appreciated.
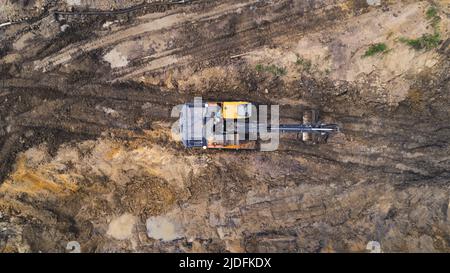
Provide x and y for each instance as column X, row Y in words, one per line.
column 87, row 153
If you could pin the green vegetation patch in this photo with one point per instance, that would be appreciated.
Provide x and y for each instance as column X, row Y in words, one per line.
column 375, row 49
column 432, row 12
column 432, row 15
column 304, row 63
column 426, row 41
column 273, row 69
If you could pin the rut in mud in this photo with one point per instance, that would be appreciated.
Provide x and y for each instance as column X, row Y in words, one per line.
column 86, row 144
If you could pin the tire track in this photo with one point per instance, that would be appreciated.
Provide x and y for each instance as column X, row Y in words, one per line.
column 249, row 37
column 169, row 21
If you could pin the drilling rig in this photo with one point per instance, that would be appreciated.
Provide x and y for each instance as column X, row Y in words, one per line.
column 238, row 125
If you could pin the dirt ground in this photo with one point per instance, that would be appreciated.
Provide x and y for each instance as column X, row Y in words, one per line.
column 87, row 154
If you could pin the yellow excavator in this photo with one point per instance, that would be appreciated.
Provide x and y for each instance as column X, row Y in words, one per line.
column 235, row 125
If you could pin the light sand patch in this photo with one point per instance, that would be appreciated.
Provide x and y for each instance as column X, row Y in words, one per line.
column 73, row 2
column 36, row 155
column 116, row 58
column 374, row 2
column 22, row 42
column 163, row 228
column 121, row 228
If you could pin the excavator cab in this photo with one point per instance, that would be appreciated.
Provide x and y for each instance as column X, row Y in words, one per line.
column 236, row 109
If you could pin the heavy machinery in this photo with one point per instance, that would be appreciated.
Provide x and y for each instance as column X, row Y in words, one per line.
column 242, row 125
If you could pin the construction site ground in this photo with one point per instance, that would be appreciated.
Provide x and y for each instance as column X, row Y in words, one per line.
column 87, row 154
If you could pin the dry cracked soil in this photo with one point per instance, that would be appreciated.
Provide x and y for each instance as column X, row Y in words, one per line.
column 87, row 154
